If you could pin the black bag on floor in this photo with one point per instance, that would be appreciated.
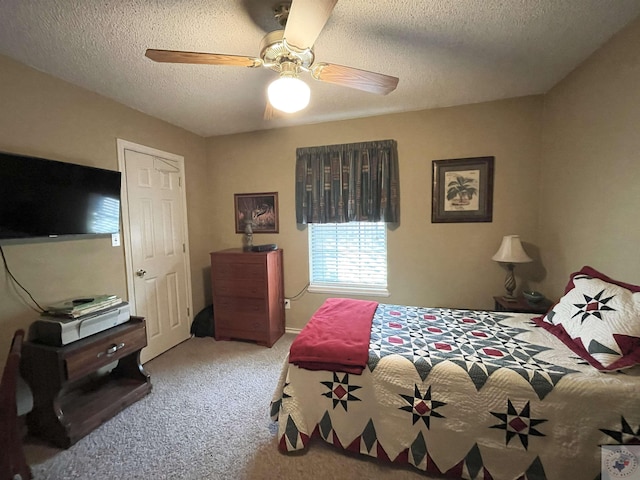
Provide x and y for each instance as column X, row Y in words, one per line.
column 202, row 325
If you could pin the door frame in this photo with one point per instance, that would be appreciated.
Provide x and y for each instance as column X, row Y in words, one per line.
column 123, row 146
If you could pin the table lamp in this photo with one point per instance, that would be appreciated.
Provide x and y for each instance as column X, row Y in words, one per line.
column 510, row 253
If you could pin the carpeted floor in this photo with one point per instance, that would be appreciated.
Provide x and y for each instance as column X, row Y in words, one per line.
column 207, row 417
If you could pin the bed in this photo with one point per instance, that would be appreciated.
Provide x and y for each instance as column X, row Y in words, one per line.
column 478, row 394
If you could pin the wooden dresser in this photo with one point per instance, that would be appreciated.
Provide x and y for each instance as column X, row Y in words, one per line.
column 248, row 295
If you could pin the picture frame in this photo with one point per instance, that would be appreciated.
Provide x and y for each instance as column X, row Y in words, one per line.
column 462, row 190
column 261, row 208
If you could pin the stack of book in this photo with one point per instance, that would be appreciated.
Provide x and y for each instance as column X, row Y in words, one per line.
column 79, row 307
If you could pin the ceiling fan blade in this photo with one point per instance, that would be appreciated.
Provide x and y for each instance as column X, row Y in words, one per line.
column 355, row 78
column 175, row 56
column 306, row 20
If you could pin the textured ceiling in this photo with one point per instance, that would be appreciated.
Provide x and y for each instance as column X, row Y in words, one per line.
column 445, row 52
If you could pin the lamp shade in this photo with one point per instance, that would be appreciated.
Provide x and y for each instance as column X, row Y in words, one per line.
column 288, row 94
column 511, row 251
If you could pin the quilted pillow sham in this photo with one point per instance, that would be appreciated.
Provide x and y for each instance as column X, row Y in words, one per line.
column 592, row 272
column 598, row 320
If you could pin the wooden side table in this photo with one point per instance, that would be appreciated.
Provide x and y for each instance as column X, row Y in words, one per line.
column 521, row 305
column 69, row 399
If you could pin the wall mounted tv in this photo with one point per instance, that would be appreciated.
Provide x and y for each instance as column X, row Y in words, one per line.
column 47, row 199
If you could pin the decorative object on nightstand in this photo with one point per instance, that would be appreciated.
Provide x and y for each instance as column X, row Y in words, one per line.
column 510, row 253
column 533, row 297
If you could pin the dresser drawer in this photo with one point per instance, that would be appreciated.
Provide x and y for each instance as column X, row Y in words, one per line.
column 249, row 324
column 227, row 287
column 239, row 271
column 98, row 354
column 240, row 305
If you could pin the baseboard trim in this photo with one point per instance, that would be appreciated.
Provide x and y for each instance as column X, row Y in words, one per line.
column 295, row 331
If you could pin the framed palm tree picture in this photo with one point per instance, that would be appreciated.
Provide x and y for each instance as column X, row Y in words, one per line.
column 462, row 190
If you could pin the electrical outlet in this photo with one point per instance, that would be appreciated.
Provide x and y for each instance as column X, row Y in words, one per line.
column 287, row 303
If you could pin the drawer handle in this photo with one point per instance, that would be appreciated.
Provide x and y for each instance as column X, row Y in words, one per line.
column 111, row 350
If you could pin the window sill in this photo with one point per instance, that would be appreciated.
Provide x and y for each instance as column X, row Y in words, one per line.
column 338, row 290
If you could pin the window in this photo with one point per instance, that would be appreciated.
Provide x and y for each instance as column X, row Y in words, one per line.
column 348, row 258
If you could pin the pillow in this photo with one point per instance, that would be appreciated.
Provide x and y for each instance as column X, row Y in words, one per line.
column 598, row 320
column 592, row 272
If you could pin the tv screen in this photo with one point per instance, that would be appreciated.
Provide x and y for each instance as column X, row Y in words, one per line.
column 47, row 199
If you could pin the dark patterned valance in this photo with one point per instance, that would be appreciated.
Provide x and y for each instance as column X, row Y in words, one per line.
column 354, row 182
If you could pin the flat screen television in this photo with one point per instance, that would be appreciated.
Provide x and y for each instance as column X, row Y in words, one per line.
column 47, row 199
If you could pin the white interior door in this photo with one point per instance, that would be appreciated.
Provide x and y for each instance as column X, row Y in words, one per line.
column 155, row 239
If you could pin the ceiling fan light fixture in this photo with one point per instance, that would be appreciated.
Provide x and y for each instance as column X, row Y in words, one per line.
column 288, row 94
column 289, row 51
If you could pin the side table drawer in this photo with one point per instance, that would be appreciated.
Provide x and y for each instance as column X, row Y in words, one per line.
column 99, row 354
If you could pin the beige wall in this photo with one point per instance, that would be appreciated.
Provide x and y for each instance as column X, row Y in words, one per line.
column 46, row 117
column 446, row 265
column 572, row 197
column 590, row 188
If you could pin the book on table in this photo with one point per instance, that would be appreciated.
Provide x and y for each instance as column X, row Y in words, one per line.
column 78, row 307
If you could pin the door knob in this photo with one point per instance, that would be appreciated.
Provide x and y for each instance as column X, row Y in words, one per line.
column 140, row 272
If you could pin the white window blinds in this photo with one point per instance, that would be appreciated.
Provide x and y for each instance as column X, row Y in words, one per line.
column 348, row 257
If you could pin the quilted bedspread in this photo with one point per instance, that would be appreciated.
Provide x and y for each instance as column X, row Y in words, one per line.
column 469, row 394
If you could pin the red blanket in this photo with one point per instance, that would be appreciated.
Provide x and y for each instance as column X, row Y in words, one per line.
column 336, row 338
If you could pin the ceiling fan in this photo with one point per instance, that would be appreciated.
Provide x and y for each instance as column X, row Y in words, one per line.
column 290, row 52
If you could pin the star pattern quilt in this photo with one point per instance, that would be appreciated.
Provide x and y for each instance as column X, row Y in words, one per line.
column 467, row 394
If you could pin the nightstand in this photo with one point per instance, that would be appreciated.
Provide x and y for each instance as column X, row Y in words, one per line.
column 520, row 305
